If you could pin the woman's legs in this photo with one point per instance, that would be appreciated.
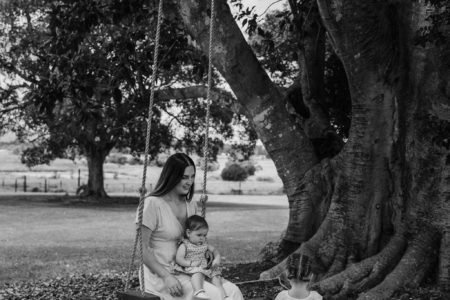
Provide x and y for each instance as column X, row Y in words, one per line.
column 217, row 281
column 231, row 290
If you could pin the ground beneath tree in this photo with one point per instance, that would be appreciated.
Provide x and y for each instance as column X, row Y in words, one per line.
column 106, row 286
column 246, row 277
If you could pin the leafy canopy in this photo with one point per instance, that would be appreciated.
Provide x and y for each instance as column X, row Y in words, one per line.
column 80, row 80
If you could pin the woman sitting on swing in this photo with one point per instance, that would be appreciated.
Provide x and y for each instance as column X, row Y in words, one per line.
column 165, row 213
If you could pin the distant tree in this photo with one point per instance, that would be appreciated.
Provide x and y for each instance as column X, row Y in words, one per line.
column 249, row 167
column 235, row 172
column 80, row 82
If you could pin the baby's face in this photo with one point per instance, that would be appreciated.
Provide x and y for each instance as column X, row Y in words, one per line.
column 197, row 237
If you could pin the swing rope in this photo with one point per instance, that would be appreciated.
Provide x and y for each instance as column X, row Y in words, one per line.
column 204, row 196
column 142, row 191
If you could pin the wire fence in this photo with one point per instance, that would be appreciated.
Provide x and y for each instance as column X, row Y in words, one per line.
column 62, row 182
column 122, row 183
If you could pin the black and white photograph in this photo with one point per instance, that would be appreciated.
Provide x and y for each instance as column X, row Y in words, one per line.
column 225, row 149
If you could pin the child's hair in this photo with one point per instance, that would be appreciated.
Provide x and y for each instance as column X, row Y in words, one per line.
column 299, row 267
column 195, row 222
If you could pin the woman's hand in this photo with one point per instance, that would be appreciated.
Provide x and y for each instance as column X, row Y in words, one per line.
column 173, row 286
column 209, row 258
column 216, row 262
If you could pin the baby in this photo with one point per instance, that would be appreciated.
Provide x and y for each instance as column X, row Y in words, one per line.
column 191, row 257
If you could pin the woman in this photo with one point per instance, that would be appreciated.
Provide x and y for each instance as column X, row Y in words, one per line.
column 165, row 213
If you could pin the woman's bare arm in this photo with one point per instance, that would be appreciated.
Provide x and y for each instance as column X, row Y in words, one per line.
column 179, row 257
column 149, row 257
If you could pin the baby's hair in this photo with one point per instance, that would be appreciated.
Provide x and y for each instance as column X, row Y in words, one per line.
column 299, row 267
column 196, row 222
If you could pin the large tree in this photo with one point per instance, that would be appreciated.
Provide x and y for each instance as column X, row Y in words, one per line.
column 375, row 216
column 80, row 79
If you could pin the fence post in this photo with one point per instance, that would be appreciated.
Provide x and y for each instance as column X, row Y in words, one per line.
column 60, row 184
column 45, row 185
column 3, row 182
column 24, row 183
column 79, row 177
column 15, row 186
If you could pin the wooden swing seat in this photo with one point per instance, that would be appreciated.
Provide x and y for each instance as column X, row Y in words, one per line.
column 136, row 295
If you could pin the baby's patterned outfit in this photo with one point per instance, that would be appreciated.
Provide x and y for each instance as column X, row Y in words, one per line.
column 197, row 253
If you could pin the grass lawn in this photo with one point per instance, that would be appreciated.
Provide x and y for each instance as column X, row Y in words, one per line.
column 45, row 236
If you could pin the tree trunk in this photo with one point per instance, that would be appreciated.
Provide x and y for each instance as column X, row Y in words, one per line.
column 385, row 222
column 310, row 36
column 371, row 218
column 95, row 186
column 283, row 137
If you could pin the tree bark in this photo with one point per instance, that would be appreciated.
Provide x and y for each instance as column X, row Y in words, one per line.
column 392, row 167
column 372, row 217
column 264, row 104
column 96, row 151
column 310, row 37
column 95, row 186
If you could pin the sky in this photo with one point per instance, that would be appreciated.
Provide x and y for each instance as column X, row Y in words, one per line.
column 262, row 5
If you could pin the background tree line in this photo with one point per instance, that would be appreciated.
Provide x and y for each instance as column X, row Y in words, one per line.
column 79, row 83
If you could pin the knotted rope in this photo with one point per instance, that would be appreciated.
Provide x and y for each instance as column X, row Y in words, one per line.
column 142, row 191
column 204, row 197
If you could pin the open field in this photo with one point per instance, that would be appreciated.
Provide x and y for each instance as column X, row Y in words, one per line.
column 62, row 175
column 46, row 236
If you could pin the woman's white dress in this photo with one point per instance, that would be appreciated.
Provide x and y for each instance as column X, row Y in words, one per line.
column 166, row 233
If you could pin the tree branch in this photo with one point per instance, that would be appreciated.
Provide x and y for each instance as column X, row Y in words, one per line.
column 10, row 67
column 10, row 109
column 174, row 117
column 219, row 96
column 263, row 102
column 193, row 92
column 365, row 33
column 330, row 19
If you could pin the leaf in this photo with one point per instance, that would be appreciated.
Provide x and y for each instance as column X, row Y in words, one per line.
column 261, row 32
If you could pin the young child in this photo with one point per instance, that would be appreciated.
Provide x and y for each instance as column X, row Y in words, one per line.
column 299, row 274
column 191, row 257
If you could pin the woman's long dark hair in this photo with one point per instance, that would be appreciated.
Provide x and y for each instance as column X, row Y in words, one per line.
column 172, row 173
column 299, row 267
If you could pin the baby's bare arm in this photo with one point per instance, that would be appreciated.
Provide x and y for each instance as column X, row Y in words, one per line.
column 181, row 260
